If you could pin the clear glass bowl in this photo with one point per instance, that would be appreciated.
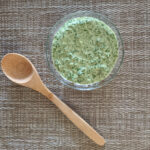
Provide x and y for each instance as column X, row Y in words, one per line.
column 48, row 51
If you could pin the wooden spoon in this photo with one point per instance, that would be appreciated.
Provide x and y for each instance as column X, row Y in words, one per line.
column 20, row 70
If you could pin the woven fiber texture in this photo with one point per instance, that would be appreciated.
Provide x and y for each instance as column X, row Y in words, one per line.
column 119, row 111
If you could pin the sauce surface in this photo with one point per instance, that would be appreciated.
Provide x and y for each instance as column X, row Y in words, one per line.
column 84, row 50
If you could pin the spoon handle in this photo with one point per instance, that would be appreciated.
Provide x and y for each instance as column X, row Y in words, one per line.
column 74, row 117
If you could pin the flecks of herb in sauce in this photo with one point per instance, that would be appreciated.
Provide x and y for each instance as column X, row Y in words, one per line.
column 84, row 50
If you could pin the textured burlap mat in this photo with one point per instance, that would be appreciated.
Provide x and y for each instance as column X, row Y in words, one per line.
column 119, row 111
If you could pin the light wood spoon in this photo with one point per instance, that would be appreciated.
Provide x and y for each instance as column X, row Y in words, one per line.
column 20, row 70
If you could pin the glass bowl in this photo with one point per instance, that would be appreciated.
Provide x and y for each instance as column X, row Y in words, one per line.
column 48, row 50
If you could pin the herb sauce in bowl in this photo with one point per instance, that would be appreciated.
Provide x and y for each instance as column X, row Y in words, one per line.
column 84, row 50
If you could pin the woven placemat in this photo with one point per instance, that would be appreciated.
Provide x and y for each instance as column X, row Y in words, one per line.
column 119, row 111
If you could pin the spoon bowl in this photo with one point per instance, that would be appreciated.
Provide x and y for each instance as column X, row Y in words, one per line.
column 17, row 68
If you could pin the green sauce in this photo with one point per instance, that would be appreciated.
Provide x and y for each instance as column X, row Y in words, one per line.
column 84, row 50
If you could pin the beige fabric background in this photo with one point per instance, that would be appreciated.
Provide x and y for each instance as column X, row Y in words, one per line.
column 119, row 111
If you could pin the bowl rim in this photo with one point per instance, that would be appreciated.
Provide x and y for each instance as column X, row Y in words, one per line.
column 48, row 50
